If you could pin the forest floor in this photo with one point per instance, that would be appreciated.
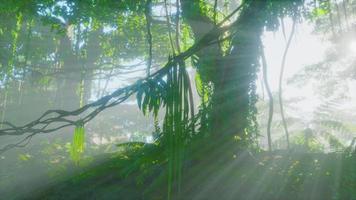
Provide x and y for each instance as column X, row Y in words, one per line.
column 278, row 175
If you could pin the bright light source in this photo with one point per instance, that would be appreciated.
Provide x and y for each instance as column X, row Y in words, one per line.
column 353, row 47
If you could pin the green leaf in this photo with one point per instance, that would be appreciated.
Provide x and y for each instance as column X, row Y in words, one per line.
column 146, row 100
column 318, row 12
column 199, row 84
column 77, row 147
column 139, row 98
column 24, row 157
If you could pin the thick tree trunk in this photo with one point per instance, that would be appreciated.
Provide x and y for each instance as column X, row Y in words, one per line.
column 201, row 25
column 233, row 76
column 234, row 96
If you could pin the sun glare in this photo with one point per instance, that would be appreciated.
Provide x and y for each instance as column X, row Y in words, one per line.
column 353, row 46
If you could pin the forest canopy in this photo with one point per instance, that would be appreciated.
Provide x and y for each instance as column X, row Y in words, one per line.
column 168, row 99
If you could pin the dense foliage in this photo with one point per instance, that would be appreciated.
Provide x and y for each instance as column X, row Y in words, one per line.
column 192, row 68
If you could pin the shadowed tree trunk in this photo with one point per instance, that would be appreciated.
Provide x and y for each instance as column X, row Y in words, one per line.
column 234, row 96
column 233, row 76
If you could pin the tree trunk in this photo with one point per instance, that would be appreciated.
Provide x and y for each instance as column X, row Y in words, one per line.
column 69, row 98
column 235, row 96
column 233, row 76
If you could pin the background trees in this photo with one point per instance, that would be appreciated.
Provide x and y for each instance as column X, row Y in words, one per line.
column 85, row 57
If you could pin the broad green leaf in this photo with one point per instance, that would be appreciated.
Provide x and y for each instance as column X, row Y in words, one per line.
column 139, row 98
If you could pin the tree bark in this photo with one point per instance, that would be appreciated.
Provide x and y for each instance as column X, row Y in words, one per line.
column 232, row 76
column 234, row 96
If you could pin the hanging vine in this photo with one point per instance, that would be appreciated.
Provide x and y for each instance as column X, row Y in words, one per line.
column 281, row 82
column 270, row 97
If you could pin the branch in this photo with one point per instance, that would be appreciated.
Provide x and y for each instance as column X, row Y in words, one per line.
column 149, row 34
column 53, row 120
column 281, row 79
